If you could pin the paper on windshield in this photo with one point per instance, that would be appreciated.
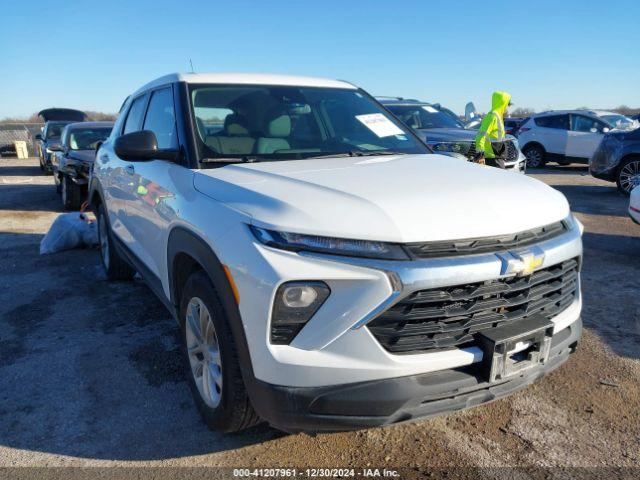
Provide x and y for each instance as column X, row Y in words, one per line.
column 379, row 124
column 429, row 109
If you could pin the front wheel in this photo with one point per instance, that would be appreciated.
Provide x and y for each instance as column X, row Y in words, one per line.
column 535, row 156
column 628, row 175
column 211, row 359
column 114, row 265
column 71, row 193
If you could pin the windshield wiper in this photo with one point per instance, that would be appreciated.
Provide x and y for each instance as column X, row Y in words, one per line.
column 245, row 159
column 358, row 153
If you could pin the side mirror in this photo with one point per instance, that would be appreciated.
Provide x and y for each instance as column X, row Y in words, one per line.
column 140, row 147
column 55, row 147
column 38, row 136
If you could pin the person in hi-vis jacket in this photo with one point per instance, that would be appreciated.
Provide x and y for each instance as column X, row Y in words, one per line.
column 492, row 130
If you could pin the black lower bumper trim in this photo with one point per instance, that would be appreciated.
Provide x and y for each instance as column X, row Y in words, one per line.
column 393, row 400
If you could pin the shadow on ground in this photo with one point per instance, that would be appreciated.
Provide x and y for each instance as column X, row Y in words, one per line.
column 610, row 290
column 572, row 169
column 90, row 368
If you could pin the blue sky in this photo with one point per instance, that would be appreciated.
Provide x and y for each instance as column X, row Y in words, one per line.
column 547, row 54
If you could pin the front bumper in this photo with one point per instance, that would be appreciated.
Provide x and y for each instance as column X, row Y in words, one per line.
column 604, row 162
column 394, row 400
column 335, row 347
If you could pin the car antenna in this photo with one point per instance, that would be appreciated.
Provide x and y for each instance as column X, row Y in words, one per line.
column 191, row 63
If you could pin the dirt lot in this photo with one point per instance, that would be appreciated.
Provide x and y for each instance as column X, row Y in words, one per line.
column 90, row 373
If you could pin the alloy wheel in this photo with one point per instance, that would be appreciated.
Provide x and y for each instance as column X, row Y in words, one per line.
column 534, row 158
column 630, row 176
column 204, row 352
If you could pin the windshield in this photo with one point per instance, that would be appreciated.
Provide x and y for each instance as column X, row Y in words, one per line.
column 54, row 130
column 283, row 122
column 87, row 138
column 424, row 116
column 617, row 120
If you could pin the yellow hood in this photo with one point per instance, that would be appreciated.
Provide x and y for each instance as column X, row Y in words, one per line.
column 499, row 101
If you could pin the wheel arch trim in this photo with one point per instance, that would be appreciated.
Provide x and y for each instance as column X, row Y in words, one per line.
column 184, row 241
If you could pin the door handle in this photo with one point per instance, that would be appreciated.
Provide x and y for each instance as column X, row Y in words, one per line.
column 130, row 169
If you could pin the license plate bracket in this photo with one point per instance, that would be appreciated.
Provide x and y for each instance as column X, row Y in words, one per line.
column 510, row 349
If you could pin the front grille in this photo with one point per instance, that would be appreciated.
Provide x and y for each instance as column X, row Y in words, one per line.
column 512, row 151
column 447, row 317
column 470, row 246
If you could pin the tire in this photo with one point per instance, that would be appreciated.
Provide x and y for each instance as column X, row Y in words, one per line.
column 71, row 193
column 628, row 175
column 113, row 264
column 57, row 182
column 222, row 400
column 535, row 156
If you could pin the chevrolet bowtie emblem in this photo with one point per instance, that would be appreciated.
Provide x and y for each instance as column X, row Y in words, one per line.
column 521, row 262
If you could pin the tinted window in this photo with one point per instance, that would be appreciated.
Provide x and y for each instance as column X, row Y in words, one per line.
column 136, row 113
column 161, row 118
column 553, row 121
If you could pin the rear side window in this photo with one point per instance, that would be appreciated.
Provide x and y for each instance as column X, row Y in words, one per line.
column 161, row 118
column 136, row 113
column 553, row 121
column 580, row 123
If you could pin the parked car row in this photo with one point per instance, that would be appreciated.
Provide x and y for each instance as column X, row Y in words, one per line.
column 327, row 269
column 67, row 148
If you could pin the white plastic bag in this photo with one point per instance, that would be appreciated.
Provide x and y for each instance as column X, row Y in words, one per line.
column 68, row 231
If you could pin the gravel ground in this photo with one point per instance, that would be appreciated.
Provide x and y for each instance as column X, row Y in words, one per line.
column 90, row 373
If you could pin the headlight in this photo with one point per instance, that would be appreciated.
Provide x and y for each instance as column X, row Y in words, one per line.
column 294, row 305
column 330, row 245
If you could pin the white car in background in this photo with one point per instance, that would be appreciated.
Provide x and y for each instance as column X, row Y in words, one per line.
column 567, row 136
column 634, row 205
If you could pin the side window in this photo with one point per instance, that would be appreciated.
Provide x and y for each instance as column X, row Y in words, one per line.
column 580, row 123
column 553, row 121
column 133, row 123
column 161, row 119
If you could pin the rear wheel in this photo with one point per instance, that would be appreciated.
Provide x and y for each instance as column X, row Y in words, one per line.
column 71, row 193
column 629, row 175
column 211, row 359
column 114, row 265
column 535, row 156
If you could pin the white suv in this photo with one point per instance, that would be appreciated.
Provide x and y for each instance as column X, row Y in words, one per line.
column 566, row 136
column 327, row 271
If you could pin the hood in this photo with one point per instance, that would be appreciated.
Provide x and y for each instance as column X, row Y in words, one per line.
column 67, row 114
column 446, row 134
column 407, row 198
column 451, row 135
column 86, row 156
column 500, row 101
